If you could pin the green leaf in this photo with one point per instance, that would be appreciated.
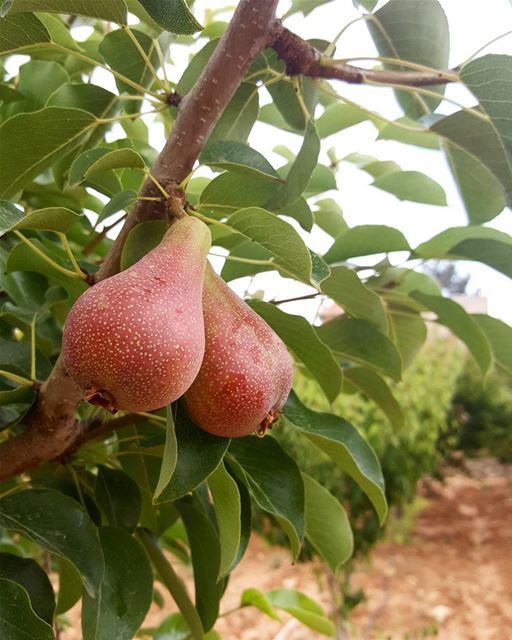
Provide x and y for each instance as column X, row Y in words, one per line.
column 255, row 598
column 174, row 627
column 17, row 618
column 98, row 160
column 337, row 117
column 413, row 186
column 31, row 142
column 125, row 592
column 480, row 139
column 345, row 288
column 232, row 191
column 275, row 483
column 322, row 179
column 453, row 316
column 59, row 525
column 489, row 78
column 49, row 219
column 301, row 338
column 113, row 10
column 365, row 240
column 302, row 169
column 8, row 94
column 408, row 330
column 21, row 31
column 70, row 586
column 121, row 201
column 10, row 215
column 327, row 525
column 329, row 217
column 122, row 55
column 205, row 551
column 483, row 244
column 228, row 509
column 277, row 236
column 381, row 168
column 238, row 157
column 417, row 32
column 239, row 116
column 88, row 97
column 300, row 211
column 23, row 258
column 38, row 79
column 199, row 454
column 343, row 443
column 118, row 496
column 142, row 238
column 173, row 16
column 27, row 573
column 358, row 341
column 375, row 388
column 482, row 193
column 170, row 455
column 195, row 67
column 499, row 334
column 423, row 137
column 302, row 608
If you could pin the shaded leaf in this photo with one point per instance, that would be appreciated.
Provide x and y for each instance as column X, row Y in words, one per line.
column 170, row 455
column 358, row 341
column 343, row 443
column 327, row 525
column 114, row 10
column 174, row 16
column 226, row 499
column 345, row 288
column 301, row 338
column 275, row 483
column 417, row 32
column 21, row 31
column 118, row 496
column 366, row 240
column 59, row 525
column 423, row 138
column 17, row 618
column 125, row 592
column 238, row 157
column 199, row 454
column 453, row 316
column 329, row 217
column 70, row 586
column 31, row 142
column 27, row 573
column 499, row 334
column 141, row 240
column 239, row 116
column 375, row 388
column 413, row 186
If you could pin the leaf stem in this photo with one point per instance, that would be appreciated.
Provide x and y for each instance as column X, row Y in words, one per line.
column 23, row 382
column 144, row 56
column 244, row 260
column 173, row 583
column 447, row 75
column 72, row 258
column 157, row 184
column 300, row 97
column 33, row 347
column 41, row 254
column 487, row 44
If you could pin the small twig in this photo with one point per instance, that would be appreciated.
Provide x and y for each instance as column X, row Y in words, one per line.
column 309, row 296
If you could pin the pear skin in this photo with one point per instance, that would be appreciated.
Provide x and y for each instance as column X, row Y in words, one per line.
column 135, row 341
column 247, row 371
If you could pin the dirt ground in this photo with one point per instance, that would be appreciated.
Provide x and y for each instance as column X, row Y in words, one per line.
column 452, row 580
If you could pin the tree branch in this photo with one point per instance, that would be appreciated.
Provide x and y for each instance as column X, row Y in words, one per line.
column 53, row 428
column 301, row 58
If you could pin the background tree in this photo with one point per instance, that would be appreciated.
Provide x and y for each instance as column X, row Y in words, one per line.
column 100, row 497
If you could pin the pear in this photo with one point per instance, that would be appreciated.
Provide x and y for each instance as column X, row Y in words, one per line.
column 247, row 371
column 135, row 341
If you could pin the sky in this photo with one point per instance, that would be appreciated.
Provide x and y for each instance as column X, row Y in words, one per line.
column 472, row 25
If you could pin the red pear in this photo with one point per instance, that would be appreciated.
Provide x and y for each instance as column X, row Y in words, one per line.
column 135, row 341
column 246, row 374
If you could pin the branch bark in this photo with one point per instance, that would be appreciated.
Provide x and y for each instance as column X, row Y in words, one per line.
column 301, row 58
column 53, row 427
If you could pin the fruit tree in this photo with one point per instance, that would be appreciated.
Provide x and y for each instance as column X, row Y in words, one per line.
column 149, row 440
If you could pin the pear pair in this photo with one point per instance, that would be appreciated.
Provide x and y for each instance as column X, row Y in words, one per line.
column 169, row 326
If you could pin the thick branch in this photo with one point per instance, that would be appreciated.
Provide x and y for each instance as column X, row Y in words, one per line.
column 53, row 428
column 301, row 58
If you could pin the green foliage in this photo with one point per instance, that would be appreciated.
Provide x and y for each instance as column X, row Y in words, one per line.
column 367, row 414
column 482, row 414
